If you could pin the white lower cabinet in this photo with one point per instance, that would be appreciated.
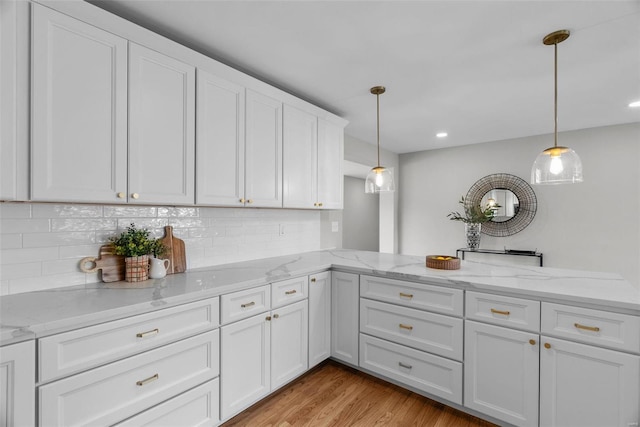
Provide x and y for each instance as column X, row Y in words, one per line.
column 344, row 317
column 501, row 373
column 583, row 385
column 198, row 407
column 260, row 354
column 319, row 317
column 17, row 384
column 111, row 393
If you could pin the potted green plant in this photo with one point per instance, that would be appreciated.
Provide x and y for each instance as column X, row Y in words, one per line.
column 136, row 245
column 473, row 217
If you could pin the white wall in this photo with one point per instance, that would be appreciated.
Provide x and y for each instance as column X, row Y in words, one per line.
column 360, row 217
column 42, row 244
column 589, row 226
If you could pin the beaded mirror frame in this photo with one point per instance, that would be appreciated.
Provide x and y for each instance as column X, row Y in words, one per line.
column 528, row 203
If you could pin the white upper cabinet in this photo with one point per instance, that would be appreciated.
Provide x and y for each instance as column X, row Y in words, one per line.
column 330, row 157
column 300, row 159
column 79, row 111
column 219, row 141
column 263, row 151
column 161, row 128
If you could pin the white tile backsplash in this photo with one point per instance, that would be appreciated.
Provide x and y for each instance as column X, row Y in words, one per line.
column 42, row 243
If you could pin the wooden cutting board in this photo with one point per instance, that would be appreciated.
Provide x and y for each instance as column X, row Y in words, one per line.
column 175, row 251
column 112, row 265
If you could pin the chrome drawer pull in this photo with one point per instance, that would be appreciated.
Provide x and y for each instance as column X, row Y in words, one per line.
column 291, row 292
column 146, row 334
column 504, row 313
column 403, row 326
column 249, row 304
column 404, row 365
column 587, row 328
column 403, row 295
column 148, row 380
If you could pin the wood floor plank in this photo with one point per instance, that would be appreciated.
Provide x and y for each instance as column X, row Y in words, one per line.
column 332, row 394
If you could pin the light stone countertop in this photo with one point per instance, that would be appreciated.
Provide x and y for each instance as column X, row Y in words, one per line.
column 37, row 314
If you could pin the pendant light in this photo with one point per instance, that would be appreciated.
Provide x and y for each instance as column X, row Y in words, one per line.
column 556, row 165
column 379, row 179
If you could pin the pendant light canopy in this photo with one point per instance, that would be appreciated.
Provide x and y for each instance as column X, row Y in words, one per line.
column 557, row 164
column 379, row 179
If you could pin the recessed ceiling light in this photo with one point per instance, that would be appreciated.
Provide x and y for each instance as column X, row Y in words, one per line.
column 441, row 134
column 634, row 104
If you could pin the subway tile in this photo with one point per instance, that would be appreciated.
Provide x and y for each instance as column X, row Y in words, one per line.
column 79, row 251
column 85, row 224
column 147, row 223
column 66, row 211
column 198, row 243
column 15, row 210
column 4, row 287
column 11, row 241
column 92, row 277
column 178, row 212
column 188, row 222
column 220, row 212
column 31, row 284
column 41, row 240
column 16, row 256
column 206, row 232
column 18, row 271
column 130, row 211
column 24, row 225
column 70, row 265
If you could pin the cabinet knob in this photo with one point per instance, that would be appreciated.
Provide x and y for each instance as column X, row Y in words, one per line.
column 313, row 280
column 135, row 196
column 249, row 201
column 320, row 204
column 547, row 345
column 120, row 195
column 268, row 318
column 242, row 200
column 532, row 342
column 275, row 316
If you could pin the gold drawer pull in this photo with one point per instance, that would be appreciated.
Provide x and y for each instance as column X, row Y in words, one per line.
column 268, row 318
column 547, row 345
column 587, row 328
column 404, row 365
column 291, row 292
column 403, row 326
column 146, row 334
column 248, row 304
column 532, row 342
column 505, row 313
column 148, row 380
column 403, row 295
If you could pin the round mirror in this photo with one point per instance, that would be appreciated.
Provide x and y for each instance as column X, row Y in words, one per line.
column 516, row 201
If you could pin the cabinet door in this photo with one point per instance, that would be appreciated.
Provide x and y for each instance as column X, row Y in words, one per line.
column 319, row 318
column 330, row 158
column 17, row 379
column 263, row 151
column 219, row 142
column 582, row 385
column 501, row 373
column 300, row 161
column 79, row 111
column 161, row 128
column 344, row 317
column 289, row 343
column 245, row 364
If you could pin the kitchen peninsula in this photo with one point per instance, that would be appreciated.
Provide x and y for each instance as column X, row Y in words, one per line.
column 535, row 317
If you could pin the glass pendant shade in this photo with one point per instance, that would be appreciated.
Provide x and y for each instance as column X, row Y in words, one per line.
column 379, row 179
column 557, row 165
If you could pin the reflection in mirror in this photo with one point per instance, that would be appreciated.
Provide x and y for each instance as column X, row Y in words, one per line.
column 507, row 202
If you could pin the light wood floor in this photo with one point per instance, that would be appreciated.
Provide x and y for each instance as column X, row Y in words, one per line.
column 335, row 395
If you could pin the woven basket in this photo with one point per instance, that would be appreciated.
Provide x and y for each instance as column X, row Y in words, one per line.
column 443, row 262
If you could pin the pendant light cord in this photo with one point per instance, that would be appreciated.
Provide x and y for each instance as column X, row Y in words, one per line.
column 378, row 124
column 555, row 94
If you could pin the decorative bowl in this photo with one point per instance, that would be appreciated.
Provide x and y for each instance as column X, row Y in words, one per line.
column 443, row 262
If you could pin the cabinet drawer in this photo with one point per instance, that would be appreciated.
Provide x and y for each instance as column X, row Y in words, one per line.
column 113, row 392
column 197, row 407
column 243, row 304
column 435, row 333
column 505, row 311
column 438, row 299
column 85, row 348
column 614, row 330
column 432, row 374
column 288, row 291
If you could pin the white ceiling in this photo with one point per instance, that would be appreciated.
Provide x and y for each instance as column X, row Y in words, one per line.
column 476, row 69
